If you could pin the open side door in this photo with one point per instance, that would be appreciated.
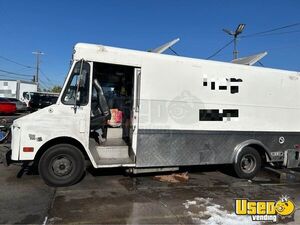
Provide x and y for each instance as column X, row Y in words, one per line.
column 135, row 109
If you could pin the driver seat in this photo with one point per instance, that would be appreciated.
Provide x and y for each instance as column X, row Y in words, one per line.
column 101, row 113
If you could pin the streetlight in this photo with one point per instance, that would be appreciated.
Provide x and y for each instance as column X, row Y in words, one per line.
column 235, row 34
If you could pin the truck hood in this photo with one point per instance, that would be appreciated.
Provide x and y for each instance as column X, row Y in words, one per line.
column 34, row 117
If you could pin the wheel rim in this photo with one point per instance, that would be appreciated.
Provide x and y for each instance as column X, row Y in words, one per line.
column 61, row 165
column 248, row 163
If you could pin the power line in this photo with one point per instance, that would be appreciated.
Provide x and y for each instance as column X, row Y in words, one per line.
column 15, row 62
column 14, row 77
column 18, row 74
column 46, row 82
column 277, row 33
column 261, row 34
column 271, row 30
column 47, row 78
column 218, row 51
column 43, row 84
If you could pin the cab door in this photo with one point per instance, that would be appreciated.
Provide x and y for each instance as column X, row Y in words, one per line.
column 136, row 107
column 69, row 117
column 75, row 100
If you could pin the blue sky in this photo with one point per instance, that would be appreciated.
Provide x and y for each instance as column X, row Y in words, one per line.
column 55, row 26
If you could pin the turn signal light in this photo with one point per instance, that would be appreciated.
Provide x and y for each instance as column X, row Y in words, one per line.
column 28, row 149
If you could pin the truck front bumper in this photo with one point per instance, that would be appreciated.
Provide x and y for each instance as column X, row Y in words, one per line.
column 5, row 154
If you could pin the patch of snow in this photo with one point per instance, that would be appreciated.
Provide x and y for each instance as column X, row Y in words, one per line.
column 45, row 220
column 204, row 211
column 188, row 203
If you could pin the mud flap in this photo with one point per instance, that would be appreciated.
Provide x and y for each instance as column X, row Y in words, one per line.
column 292, row 158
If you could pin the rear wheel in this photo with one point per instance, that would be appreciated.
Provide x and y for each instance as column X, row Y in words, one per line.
column 62, row 165
column 248, row 163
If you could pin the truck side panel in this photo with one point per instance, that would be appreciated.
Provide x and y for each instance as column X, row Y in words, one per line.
column 183, row 147
column 186, row 95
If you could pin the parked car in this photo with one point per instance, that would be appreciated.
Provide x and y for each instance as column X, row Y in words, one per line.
column 7, row 107
column 21, row 106
column 4, row 133
column 27, row 95
column 39, row 101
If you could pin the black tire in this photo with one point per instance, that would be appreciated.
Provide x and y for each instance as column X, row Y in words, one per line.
column 248, row 163
column 62, row 165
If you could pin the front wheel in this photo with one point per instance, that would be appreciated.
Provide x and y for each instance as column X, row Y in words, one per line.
column 62, row 165
column 248, row 163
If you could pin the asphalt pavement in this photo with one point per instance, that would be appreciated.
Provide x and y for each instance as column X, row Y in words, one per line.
column 112, row 197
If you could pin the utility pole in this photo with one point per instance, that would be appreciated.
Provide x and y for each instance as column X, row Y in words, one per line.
column 38, row 54
column 235, row 35
column 235, row 51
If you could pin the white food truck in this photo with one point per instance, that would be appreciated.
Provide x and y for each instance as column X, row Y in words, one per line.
column 174, row 111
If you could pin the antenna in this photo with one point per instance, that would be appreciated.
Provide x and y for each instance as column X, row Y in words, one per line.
column 250, row 60
column 164, row 47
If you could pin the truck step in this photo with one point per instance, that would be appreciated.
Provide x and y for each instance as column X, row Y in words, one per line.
column 114, row 142
column 113, row 149
column 107, row 163
column 114, row 152
column 114, row 132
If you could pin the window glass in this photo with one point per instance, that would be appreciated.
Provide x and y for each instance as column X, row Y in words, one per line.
column 77, row 89
column 25, row 95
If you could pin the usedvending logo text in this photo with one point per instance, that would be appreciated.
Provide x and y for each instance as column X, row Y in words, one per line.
column 265, row 210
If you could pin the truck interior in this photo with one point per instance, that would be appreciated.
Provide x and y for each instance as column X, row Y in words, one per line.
column 111, row 112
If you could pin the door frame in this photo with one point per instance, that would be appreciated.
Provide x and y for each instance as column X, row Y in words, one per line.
column 136, row 107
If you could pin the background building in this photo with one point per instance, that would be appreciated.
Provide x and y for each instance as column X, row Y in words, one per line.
column 16, row 88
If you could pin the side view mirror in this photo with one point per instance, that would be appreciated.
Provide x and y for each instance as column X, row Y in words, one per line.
column 82, row 78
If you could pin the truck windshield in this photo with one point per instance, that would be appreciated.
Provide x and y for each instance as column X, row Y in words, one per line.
column 82, row 88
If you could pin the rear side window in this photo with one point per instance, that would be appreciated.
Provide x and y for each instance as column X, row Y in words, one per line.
column 77, row 89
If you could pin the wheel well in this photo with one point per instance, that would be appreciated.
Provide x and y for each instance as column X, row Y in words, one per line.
column 261, row 150
column 60, row 140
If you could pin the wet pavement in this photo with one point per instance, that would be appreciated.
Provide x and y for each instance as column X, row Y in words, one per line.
column 110, row 197
column 22, row 200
